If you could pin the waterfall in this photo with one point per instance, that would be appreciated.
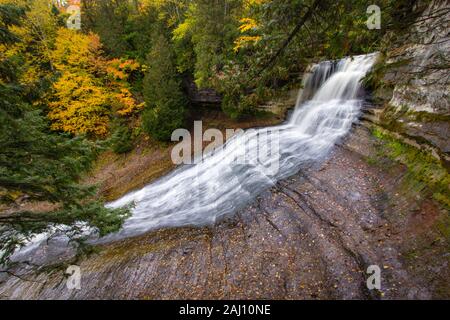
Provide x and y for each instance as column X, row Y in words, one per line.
column 313, row 78
column 200, row 194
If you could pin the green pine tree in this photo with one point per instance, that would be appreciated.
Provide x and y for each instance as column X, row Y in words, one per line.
column 165, row 101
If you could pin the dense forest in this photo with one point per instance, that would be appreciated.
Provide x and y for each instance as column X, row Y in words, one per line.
column 67, row 95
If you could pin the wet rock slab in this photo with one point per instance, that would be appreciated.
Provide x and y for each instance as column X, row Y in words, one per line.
column 311, row 236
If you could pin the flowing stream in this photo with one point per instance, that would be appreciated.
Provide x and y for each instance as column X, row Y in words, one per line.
column 229, row 177
column 202, row 193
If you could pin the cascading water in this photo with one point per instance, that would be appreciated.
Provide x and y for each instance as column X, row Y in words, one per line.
column 201, row 194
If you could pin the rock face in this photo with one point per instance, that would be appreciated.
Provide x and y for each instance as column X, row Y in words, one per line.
column 201, row 96
column 311, row 236
column 416, row 82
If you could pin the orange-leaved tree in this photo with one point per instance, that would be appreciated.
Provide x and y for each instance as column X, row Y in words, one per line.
column 118, row 75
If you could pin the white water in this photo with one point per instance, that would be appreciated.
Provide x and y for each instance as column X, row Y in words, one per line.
column 200, row 194
column 203, row 193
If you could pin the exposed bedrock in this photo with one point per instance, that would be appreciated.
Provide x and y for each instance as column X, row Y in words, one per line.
column 311, row 236
column 413, row 82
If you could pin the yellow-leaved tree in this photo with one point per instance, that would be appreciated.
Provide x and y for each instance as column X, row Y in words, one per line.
column 249, row 26
column 80, row 105
column 90, row 88
column 80, row 102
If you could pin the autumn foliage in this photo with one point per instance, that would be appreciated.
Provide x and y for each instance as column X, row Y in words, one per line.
column 90, row 89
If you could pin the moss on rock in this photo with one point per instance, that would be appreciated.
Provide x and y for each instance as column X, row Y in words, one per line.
column 425, row 172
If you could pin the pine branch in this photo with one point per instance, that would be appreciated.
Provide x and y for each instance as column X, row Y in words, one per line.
column 291, row 36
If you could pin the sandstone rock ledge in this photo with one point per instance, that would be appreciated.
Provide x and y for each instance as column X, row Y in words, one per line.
column 311, row 236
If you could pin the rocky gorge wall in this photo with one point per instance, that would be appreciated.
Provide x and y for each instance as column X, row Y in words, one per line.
column 412, row 81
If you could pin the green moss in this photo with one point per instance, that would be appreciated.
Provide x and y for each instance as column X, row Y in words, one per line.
column 425, row 173
column 394, row 118
column 372, row 160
